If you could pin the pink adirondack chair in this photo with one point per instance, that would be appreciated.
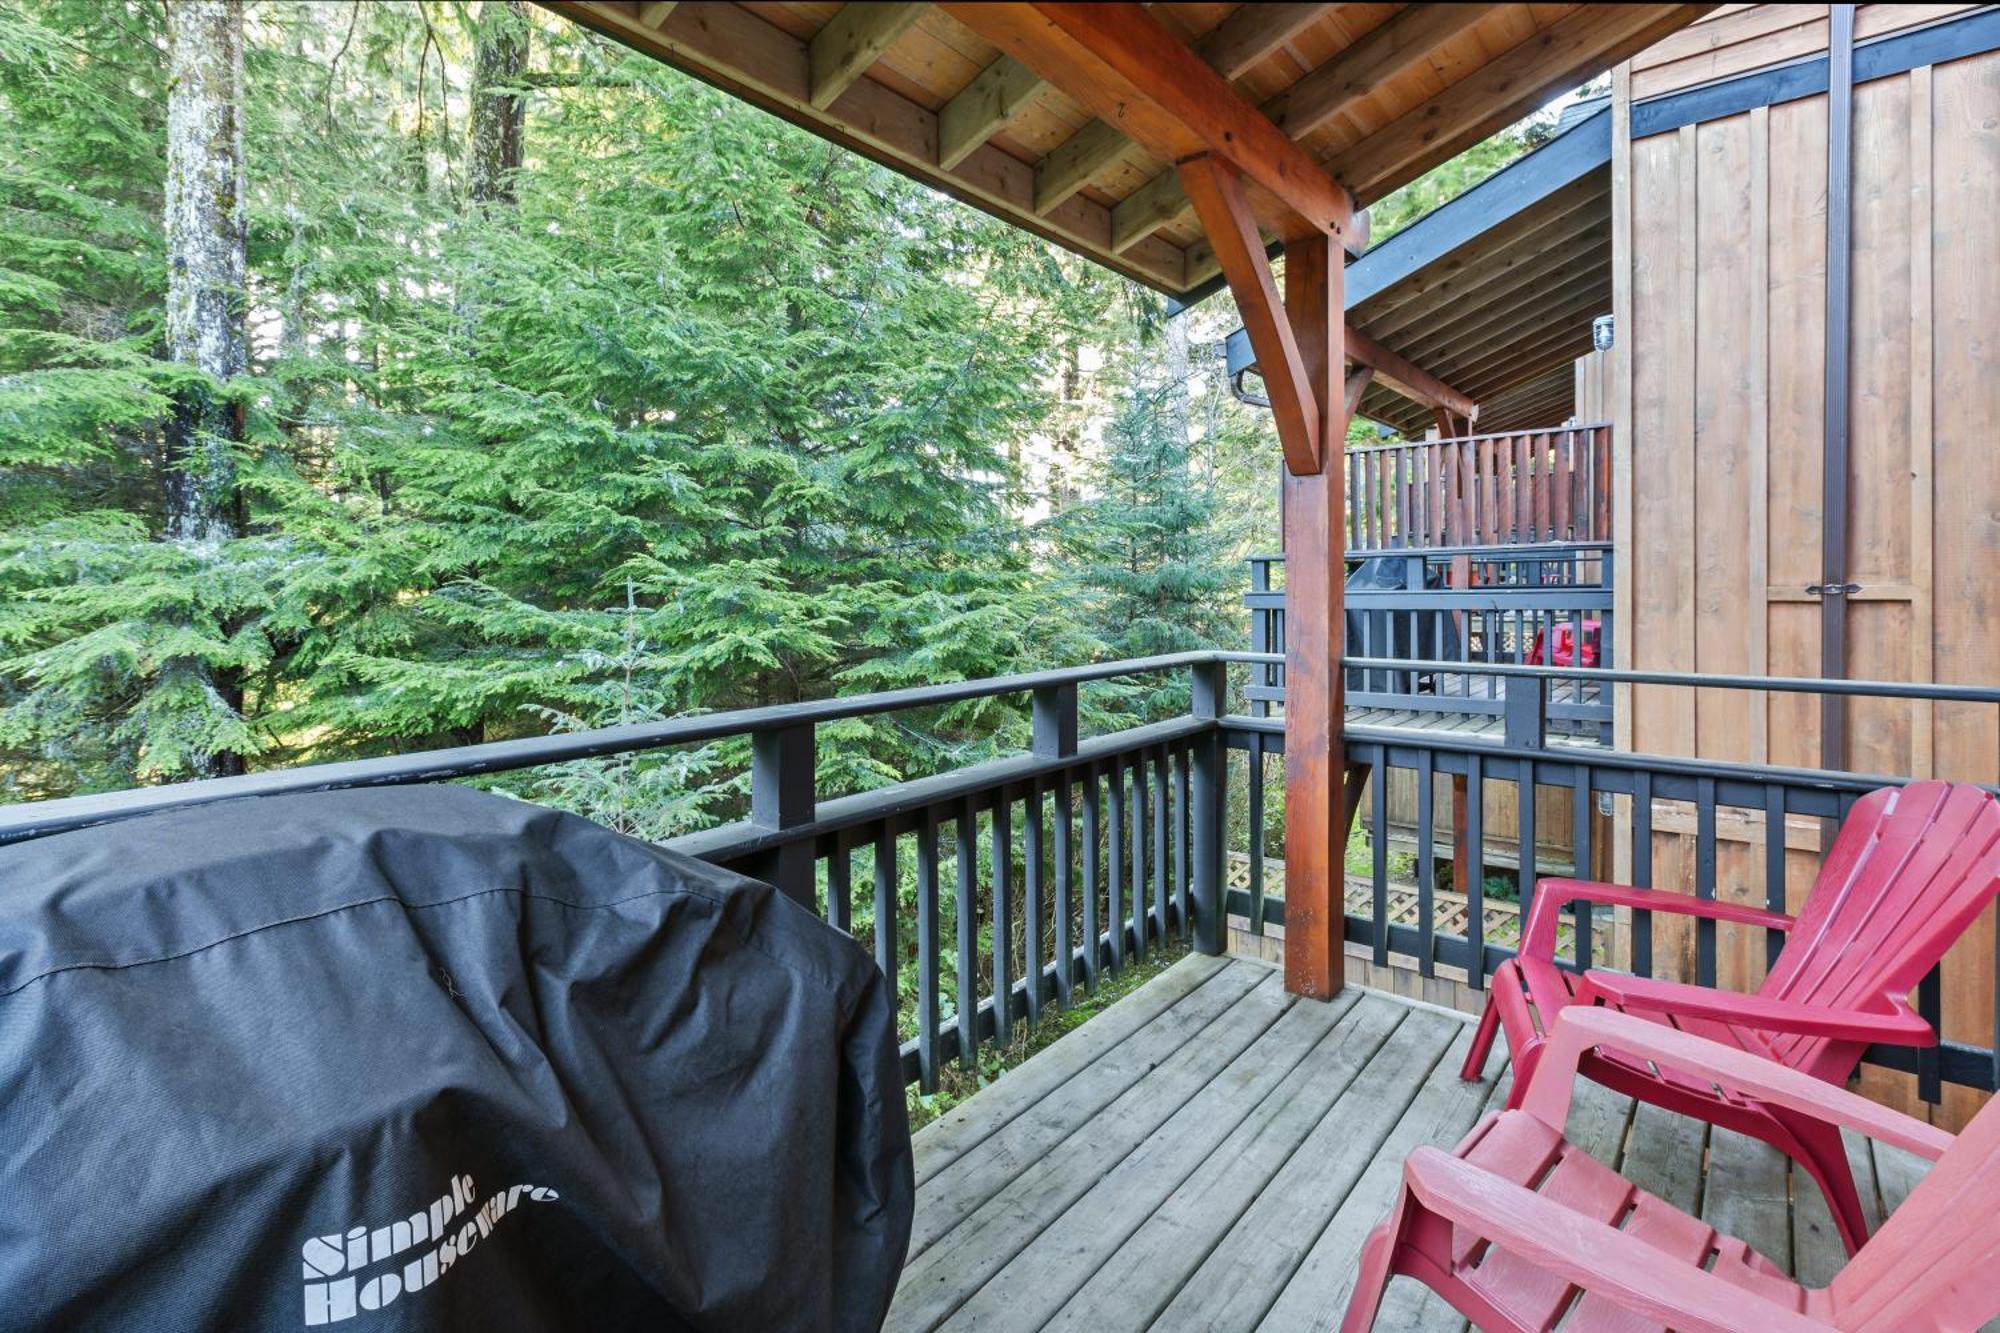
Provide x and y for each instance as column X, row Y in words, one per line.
column 1911, row 869
column 1519, row 1229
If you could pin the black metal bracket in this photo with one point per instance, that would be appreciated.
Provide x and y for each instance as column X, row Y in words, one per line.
column 1833, row 589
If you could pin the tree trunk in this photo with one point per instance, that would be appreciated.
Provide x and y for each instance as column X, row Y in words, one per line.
column 204, row 226
column 204, row 236
column 500, row 58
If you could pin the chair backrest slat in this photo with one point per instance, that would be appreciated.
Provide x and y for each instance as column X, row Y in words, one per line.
column 1911, row 869
column 1932, row 1264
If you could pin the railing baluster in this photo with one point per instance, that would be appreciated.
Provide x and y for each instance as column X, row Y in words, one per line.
column 1161, row 866
column 927, row 951
column 1704, row 878
column 1093, row 809
column 1255, row 786
column 1426, row 864
column 1475, row 862
column 1031, row 907
column 1642, row 871
column 1182, row 921
column 885, row 909
column 1378, row 861
column 1930, row 1007
column 1523, row 532
column 1775, row 897
column 1141, row 811
column 1065, row 887
column 1528, row 851
column 1003, row 919
column 840, row 889
column 1580, row 799
column 1114, row 883
column 1403, row 499
column 965, row 916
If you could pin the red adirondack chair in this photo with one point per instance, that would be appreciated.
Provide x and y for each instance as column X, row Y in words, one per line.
column 1911, row 869
column 1518, row 1228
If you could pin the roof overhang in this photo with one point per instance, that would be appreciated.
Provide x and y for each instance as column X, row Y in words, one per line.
column 968, row 99
column 1495, row 291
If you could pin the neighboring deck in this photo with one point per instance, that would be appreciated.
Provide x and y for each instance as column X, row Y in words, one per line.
column 1209, row 1153
column 1472, row 708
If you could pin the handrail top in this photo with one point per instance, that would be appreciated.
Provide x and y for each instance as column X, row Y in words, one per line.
column 1467, row 439
column 39, row 818
column 1504, row 551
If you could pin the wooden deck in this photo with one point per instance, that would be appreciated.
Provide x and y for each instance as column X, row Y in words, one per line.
column 1209, row 1153
column 1440, row 712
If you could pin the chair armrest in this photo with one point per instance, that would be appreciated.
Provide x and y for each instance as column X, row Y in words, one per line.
column 1603, row 1260
column 1579, row 1029
column 1901, row 1024
column 1552, row 895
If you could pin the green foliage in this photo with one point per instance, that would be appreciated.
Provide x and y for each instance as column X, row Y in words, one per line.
column 714, row 415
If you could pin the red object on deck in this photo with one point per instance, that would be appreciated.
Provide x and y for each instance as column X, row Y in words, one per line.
column 1911, row 869
column 1565, row 651
column 1518, row 1228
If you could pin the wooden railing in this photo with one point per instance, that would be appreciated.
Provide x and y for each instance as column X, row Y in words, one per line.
column 1484, row 490
column 1038, row 875
column 1670, row 823
column 1491, row 604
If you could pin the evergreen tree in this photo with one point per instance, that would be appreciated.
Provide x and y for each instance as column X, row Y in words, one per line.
column 767, row 387
column 1146, row 547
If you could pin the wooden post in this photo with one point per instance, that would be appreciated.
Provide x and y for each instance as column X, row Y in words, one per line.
column 1209, row 693
column 782, row 797
column 1315, row 619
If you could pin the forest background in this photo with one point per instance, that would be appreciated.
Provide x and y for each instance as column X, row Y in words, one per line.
column 549, row 389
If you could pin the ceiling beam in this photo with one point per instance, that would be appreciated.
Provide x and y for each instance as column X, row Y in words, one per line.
column 1117, row 60
column 851, row 41
column 1502, row 91
column 1373, row 60
column 1234, row 46
column 745, row 55
column 983, row 107
column 1407, row 379
column 1218, row 193
column 655, row 12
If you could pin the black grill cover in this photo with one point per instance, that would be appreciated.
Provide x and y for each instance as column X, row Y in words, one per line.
column 424, row 1058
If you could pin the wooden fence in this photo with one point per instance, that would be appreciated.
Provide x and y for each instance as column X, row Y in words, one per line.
column 1482, row 490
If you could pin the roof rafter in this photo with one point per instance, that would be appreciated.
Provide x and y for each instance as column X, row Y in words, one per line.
column 1375, row 58
column 983, row 107
column 1503, row 91
column 852, row 40
column 1117, row 60
column 1234, row 46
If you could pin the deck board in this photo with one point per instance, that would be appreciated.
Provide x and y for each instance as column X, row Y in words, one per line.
column 1209, row 1153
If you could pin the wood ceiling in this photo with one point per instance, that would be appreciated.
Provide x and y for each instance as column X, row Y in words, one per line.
column 1376, row 93
column 1512, row 307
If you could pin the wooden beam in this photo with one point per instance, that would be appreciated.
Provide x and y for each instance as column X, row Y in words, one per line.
column 1225, row 214
column 983, row 107
column 1409, row 380
column 748, row 57
column 1233, row 47
column 1246, row 37
column 1377, row 57
column 1315, row 621
column 655, row 12
column 851, row 41
column 1119, row 62
column 1313, row 101
column 1071, row 164
column 1503, row 90
column 1357, row 384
